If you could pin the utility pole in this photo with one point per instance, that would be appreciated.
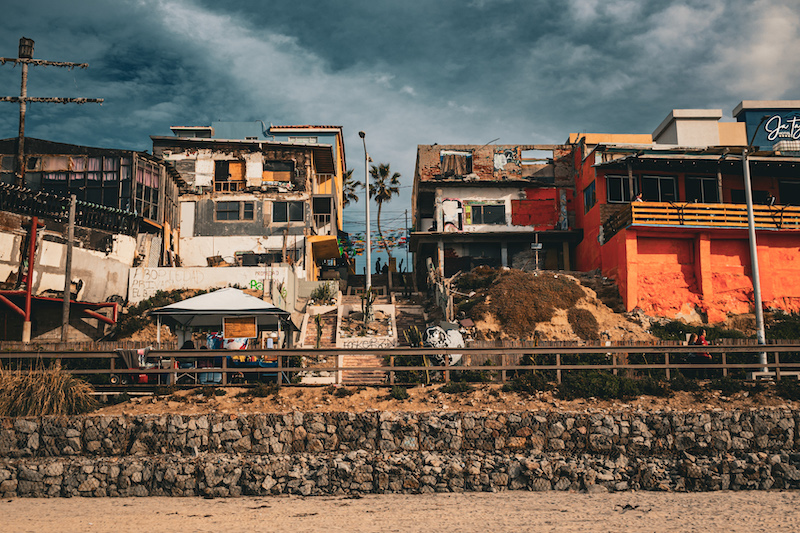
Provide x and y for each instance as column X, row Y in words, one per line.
column 26, row 58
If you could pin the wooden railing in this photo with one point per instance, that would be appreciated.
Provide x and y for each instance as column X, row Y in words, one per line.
column 775, row 217
column 504, row 361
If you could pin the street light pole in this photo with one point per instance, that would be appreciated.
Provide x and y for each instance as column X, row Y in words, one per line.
column 751, row 231
column 368, row 239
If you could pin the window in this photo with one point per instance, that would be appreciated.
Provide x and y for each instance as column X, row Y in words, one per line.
column 228, row 176
column 659, row 189
column 487, row 214
column 789, row 191
column 278, row 171
column 456, row 163
column 618, row 189
column 287, row 212
column 303, row 140
column 234, row 210
column 589, row 197
column 703, row 190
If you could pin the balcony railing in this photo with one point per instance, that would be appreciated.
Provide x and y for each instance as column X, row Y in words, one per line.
column 670, row 214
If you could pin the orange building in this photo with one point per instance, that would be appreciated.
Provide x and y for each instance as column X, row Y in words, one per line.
column 681, row 249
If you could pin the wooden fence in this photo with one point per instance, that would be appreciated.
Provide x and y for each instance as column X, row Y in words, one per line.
column 634, row 359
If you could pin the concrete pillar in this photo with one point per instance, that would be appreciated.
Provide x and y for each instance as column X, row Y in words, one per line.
column 504, row 254
column 702, row 265
column 441, row 257
column 630, row 292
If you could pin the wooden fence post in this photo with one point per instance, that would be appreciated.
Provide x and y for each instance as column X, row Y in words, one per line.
column 666, row 362
column 558, row 370
column 614, row 362
column 224, row 370
column 724, row 362
column 391, row 372
column 777, row 366
column 279, row 377
column 503, row 361
column 447, row 366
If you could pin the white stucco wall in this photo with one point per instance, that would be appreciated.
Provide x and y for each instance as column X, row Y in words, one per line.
column 145, row 282
column 483, row 195
column 195, row 250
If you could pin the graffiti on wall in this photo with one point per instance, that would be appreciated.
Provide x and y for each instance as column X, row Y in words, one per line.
column 369, row 343
column 144, row 283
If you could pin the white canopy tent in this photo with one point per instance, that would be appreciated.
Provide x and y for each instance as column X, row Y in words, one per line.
column 208, row 311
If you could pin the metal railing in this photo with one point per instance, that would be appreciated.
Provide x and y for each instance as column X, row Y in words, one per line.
column 504, row 361
column 774, row 217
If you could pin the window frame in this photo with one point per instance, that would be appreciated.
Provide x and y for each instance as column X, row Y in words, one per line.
column 660, row 180
column 241, row 210
column 702, row 180
column 625, row 194
column 288, row 208
column 589, row 197
column 479, row 211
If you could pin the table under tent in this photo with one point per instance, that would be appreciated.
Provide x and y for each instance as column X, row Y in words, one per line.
column 228, row 319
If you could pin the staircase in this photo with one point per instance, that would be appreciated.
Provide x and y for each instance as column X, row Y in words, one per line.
column 363, row 377
column 407, row 316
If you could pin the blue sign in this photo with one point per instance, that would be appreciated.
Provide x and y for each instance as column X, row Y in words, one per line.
column 771, row 126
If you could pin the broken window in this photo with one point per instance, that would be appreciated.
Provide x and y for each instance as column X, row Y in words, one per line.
column 228, row 176
column 146, row 191
column 277, row 171
column 287, row 212
column 618, row 189
column 455, row 163
column 487, row 214
column 589, row 197
column 536, row 157
column 234, row 210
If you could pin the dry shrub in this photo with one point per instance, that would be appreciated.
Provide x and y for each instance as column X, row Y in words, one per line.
column 519, row 300
column 44, row 392
column 584, row 324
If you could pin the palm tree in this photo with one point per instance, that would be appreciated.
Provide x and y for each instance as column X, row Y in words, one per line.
column 384, row 185
column 349, row 186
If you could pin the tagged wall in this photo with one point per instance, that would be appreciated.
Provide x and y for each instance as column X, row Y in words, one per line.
column 279, row 281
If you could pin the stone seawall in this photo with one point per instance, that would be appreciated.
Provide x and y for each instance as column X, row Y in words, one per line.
column 376, row 452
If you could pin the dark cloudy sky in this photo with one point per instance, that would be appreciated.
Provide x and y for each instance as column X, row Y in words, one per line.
column 407, row 72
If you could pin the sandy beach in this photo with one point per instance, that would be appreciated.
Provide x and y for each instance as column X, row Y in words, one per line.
column 505, row 511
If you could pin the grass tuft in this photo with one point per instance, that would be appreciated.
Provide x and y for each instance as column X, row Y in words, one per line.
column 44, row 392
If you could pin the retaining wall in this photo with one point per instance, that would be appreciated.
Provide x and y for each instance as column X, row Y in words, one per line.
column 376, row 452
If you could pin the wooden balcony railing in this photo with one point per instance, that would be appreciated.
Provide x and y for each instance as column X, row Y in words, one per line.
column 672, row 214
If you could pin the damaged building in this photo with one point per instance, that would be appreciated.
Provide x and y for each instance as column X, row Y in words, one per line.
column 496, row 205
column 126, row 214
column 258, row 195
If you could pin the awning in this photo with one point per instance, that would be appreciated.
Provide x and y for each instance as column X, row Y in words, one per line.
column 209, row 309
column 324, row 247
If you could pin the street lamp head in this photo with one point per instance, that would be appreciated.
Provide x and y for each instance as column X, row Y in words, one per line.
column 362, row 134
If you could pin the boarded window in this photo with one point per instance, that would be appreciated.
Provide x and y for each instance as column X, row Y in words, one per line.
column 278, row 171
column 236, row 171
column 456, row 163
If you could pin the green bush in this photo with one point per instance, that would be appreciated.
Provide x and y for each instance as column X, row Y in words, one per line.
column 727, row 386
column 682, row 383
column 607, row 386
column 339, row 392
column 208, row 391
column 788, row 389
column 325, row 294
column 398, row 393
column 456, row 387
column 529, row 383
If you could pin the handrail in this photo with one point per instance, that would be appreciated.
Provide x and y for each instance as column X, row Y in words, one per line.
column 775, row 217
column 279, row 356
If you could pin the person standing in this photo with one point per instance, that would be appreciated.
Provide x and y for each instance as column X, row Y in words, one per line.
column 702, row 357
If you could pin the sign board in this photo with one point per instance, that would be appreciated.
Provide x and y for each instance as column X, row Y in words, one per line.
column 239, row 327
column 536, row 246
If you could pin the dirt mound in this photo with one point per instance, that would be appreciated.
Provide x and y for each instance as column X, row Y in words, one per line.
column 512, row 304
